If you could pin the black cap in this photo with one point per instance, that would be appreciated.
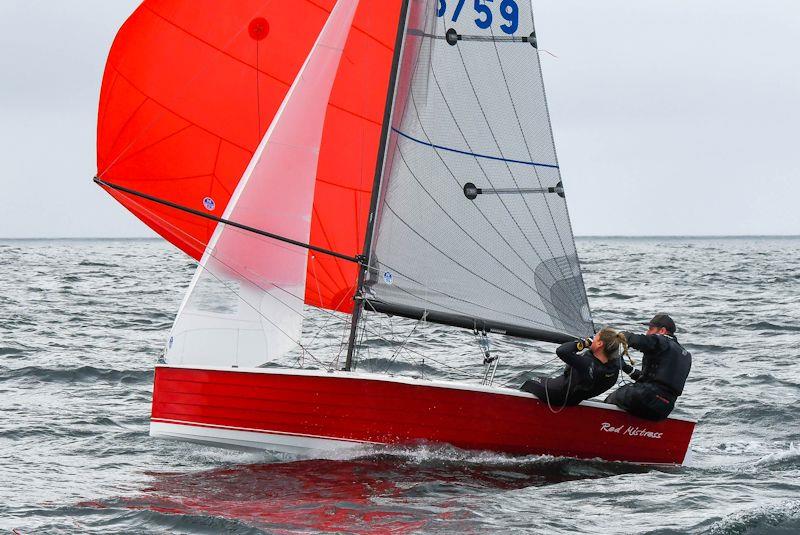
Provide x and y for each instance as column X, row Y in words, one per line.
column 662, row 320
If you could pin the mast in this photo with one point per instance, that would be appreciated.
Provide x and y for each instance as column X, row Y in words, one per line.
column 358, row 297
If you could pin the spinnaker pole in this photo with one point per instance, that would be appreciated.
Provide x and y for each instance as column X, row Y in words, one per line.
column 358, row 297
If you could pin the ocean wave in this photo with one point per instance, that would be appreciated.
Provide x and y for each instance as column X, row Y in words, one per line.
column 766, row 379
column 13, row 352
column 779, row 518
column 93, row 263
column 767, row 326
column 789, row 459
column 706, row 348
column 615, row 295
column 72, row 429
column 444, row 458
column 398, row 365
column 79, row 374
column 125, row 516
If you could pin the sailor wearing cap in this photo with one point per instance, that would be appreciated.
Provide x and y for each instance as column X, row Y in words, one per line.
column 665, row 367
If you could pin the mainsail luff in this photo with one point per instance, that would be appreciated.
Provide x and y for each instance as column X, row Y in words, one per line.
column 358, row 297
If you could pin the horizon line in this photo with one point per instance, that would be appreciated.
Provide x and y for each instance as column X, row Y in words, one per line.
column 577, row 236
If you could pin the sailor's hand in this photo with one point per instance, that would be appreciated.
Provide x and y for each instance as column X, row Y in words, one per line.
column 627, row 368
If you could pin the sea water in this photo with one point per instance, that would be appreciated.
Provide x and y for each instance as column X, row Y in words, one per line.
column 83, row 322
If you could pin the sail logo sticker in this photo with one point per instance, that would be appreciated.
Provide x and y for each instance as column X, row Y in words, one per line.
column 388, row 278
column 209, row 203
column 630, row 430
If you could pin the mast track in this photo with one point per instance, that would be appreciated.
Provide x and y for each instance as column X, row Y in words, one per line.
column 355, row 259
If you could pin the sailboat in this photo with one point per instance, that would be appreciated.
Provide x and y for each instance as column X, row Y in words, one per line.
column 357, row 158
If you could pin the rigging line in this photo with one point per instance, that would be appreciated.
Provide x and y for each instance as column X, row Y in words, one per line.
column 425, row 357
column 402, row 345
column 483, row 170
column 258, row 93
column 228, row 222
column 537, row 367
column 422, row 186
column 316, row 279
column 525, row 141
column 331, row 315
column 485, row 174
column 466, row 153
column 497, row 143
column 361, row 338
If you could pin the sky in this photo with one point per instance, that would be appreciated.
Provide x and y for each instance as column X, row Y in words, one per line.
column 671, row 117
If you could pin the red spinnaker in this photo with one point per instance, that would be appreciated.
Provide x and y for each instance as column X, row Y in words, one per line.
column 190, row 88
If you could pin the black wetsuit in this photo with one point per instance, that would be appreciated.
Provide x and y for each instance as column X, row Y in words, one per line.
column 584, row 377
column 665, row 367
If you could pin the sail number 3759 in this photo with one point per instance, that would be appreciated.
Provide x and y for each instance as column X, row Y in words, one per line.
column 509, row 12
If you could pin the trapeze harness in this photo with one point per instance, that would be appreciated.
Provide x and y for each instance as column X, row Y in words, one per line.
column 584, row 377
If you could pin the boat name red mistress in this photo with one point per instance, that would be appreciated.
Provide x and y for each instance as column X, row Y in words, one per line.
column 630, row 430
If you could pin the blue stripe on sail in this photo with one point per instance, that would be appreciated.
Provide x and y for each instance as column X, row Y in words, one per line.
column 535, row 164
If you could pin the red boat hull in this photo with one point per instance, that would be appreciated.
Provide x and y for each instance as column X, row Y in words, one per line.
column 297, row 410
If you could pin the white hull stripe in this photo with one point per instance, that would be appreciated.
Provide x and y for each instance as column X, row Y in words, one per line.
column 270, row 432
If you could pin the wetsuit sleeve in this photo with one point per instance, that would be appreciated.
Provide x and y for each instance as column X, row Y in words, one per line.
column 633, row 372
column 569, row 354
column 644, row 343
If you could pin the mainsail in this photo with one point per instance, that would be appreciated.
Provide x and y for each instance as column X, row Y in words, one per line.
column 473, row 227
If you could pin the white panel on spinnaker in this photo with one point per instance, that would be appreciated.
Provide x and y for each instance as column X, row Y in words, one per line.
column 245, row 304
